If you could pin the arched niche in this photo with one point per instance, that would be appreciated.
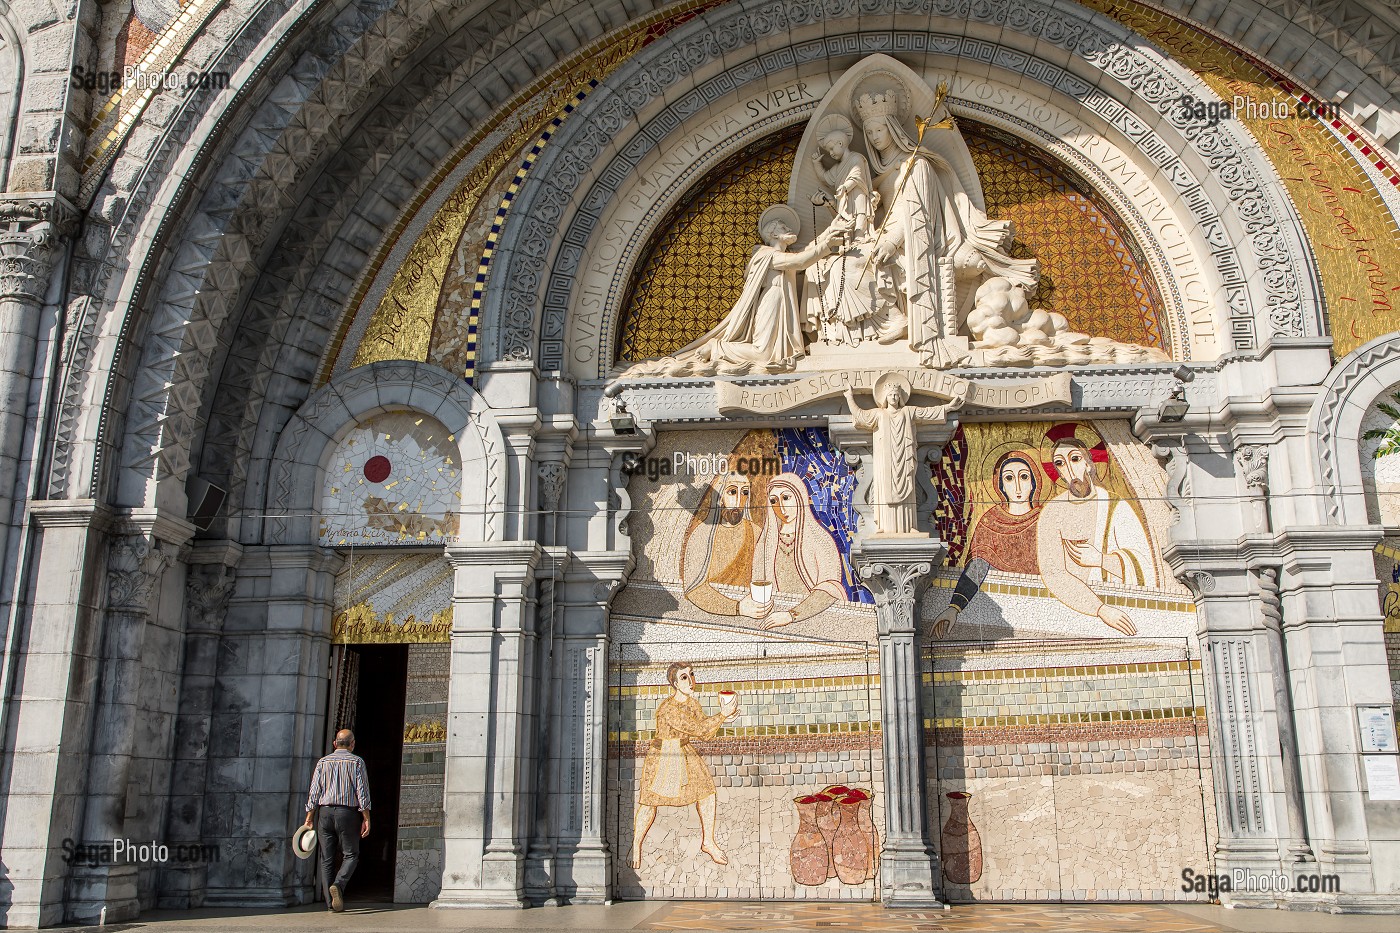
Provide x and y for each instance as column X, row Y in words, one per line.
column 308, row 447
column 556, row 281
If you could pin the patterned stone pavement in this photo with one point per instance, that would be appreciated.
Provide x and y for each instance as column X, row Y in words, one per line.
column 766, row 916
column 971, row 919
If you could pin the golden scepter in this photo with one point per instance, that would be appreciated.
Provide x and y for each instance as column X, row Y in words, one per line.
column 923, row 124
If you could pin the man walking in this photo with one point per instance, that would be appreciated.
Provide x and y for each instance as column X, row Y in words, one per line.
column 339, row 787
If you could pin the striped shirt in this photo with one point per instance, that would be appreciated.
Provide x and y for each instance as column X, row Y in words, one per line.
column 339, row 781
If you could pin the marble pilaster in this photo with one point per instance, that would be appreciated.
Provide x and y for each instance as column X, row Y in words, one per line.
column 897, row 570
column 487, row 799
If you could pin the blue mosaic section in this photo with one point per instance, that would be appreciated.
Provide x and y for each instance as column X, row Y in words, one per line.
column 808, row 452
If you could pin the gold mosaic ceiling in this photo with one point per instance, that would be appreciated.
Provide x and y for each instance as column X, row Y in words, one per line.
column 1091, row 270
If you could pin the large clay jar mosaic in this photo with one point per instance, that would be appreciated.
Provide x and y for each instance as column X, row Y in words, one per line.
column 808, row 856
column 828, row 818
column 962, row 843
column 850, row 849
column 866, row 823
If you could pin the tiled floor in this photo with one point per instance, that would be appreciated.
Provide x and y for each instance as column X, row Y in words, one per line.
column 969, row 919
column 622, row 917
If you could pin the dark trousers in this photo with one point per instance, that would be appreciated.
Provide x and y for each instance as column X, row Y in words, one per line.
column 338, row 830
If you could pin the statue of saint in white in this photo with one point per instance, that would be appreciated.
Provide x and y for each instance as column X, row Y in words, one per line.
column 762, row 333
column 895, row 425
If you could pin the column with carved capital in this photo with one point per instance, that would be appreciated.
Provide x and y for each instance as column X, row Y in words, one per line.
column 136, row 563
column 209, row 583
column 30, row 236
column 1235, row 667
column 897, row 570
column 490, row 736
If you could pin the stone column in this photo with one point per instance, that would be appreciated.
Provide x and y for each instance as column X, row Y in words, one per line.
column 1335, row 645
column 26, row 261
column 897, row 569
column 209, row 583
column 51, row 711
column 268, row 725
column 136, row 563
column 487, row 812
column 1271, row 614
column 1233, row 666
column 584, row 862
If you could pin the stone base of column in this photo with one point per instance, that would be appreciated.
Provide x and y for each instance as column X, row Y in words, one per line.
column 583, row 876
column 909, row 876
column 502, row 884
column 182, row 887
column 539, row 876
column 109, row 886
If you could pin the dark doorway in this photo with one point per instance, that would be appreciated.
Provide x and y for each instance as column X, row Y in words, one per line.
column 378, row 726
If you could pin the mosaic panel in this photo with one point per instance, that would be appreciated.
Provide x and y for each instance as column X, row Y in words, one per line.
column 744, row 739
column 418, row 860
column 1062, row 681
column 1091, row 270
column 392, row 598
column 393, row 480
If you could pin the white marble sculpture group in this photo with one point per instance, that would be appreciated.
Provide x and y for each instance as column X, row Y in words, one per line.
column 909, row 271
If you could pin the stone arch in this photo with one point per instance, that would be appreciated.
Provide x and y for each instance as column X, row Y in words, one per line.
column 311, row 436
column 235, row 168
column 1271, row 288
column 1334, row 427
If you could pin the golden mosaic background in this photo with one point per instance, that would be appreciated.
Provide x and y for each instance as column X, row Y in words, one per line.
column 694, row 268
column 1091, row 270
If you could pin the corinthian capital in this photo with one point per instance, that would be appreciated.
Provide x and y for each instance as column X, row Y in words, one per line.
column 207, row 591
column 30, row 228
column 26, row 258
column 134, row 567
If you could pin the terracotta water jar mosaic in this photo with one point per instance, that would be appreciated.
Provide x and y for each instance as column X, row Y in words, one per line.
column 809, row 858
column 962, row 843
column 850, row 848
column 867, row 824
column 828, row 818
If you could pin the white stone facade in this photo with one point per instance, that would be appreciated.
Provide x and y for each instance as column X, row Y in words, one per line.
column 181, row 295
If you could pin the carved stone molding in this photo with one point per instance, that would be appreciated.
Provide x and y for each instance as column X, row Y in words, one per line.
column 134, row 568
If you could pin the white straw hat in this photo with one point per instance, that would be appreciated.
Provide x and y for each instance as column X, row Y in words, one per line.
column 304, row 841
